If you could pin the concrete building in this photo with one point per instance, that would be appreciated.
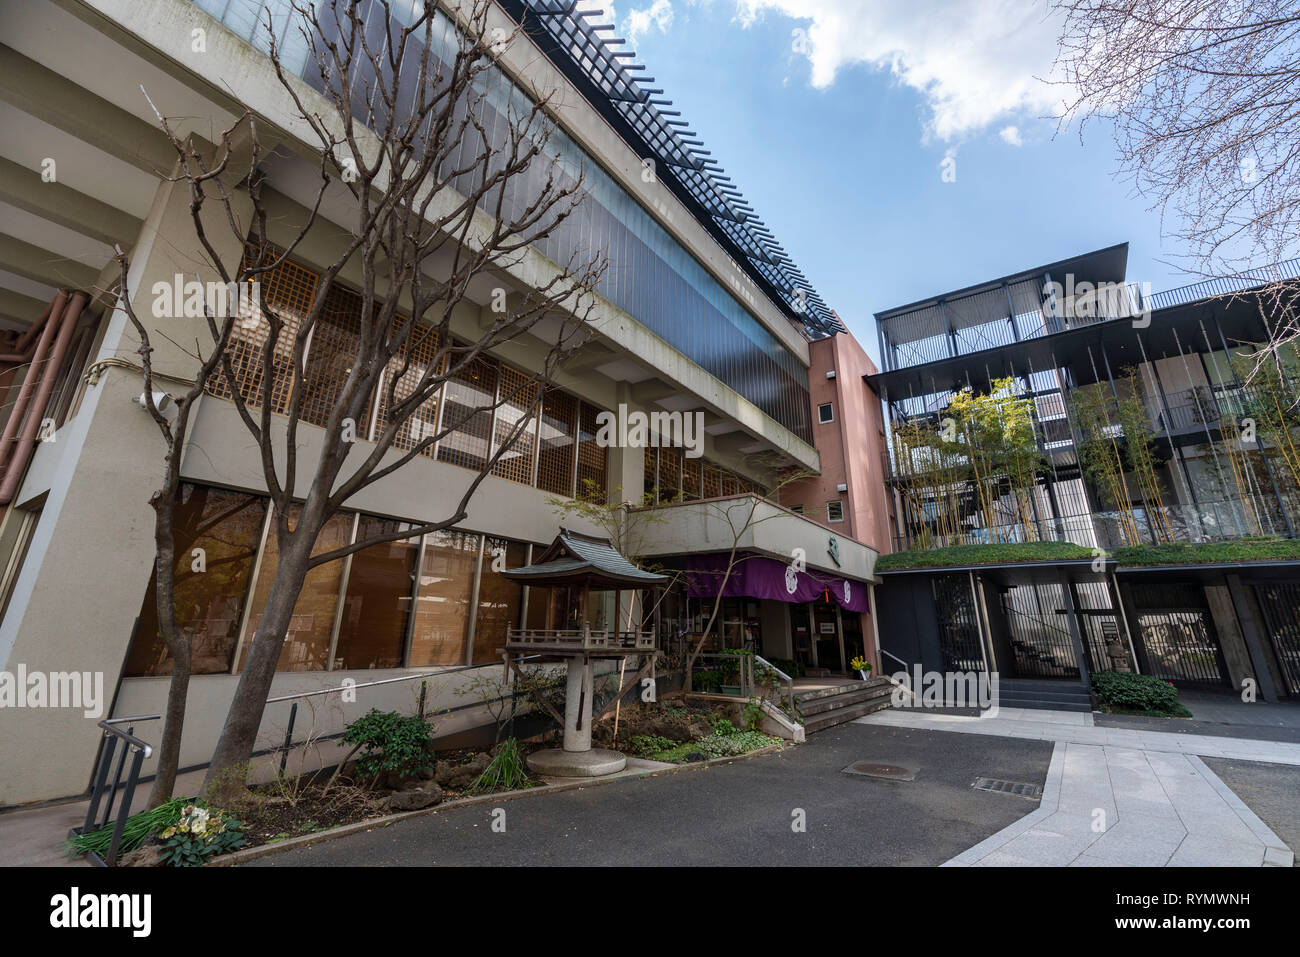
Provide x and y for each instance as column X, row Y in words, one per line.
column 702, row 313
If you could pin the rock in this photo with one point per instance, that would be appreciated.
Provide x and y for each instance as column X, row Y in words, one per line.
column 426, row 774
column 416, row 798
column 148, row 856
column 460, row 776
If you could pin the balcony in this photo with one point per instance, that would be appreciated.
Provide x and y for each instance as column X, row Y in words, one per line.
column 580, row 642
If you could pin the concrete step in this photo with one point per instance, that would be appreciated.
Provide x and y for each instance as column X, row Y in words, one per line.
column 1037, row 704
column 1036, row 695
column 1042, row 684
column 847, row 687
column 846, row 699
column 829, row 719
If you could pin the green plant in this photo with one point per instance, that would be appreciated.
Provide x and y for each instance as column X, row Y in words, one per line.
column 720, row 745
column 1136, row 692
column 795, row 669
column 753, row 714
column 707, row 681
column 723, row 726
column 390, row 742
column 137, row 829
column 200, row 833
column 505, row 772
column 647, row 745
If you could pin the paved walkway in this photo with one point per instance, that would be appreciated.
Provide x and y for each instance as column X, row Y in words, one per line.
column 1118, row 797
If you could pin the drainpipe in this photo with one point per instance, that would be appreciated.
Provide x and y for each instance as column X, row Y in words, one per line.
column 16, row 466
column 23, row 345
column 25, row 390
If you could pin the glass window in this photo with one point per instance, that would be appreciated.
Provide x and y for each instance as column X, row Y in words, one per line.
column 307, row 642
column 834, row 511
column 499, row 598
column 378, row 599
column 442, row 606
column 209, row 595
column 825, row 413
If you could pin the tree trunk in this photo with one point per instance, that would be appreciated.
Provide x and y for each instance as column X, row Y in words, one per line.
column 169, row 750
column 227, row 775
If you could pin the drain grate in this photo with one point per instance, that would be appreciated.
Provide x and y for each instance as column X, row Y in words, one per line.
column 889, row 772
column 1031, row 791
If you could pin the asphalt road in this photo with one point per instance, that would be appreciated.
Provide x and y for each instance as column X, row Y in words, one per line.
column 735, row 814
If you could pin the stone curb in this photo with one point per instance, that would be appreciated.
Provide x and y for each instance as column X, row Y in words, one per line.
column 235, row 858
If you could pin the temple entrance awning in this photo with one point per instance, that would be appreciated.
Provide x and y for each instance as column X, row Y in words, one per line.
column 757, row 576
column 583, row 561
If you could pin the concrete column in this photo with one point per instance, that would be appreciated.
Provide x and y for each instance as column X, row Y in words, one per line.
column 625, row 472
column 577, row 705
column 69, row 611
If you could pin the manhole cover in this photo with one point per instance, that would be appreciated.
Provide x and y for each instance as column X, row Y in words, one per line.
column 1031, row 791
column 890, row 772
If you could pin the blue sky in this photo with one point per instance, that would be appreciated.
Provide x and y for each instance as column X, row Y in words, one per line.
column 837, row 135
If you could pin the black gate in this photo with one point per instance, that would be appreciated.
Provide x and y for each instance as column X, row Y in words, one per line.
column 1177, row 631
column 1037, row 631
column 959, row 634
column 1281, row 607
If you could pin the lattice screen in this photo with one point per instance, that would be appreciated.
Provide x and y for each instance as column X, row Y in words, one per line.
column 670, row 474
column 517, row 398
column 471, row 389
column 691, row 479
column 555, row 457
column 422, row 347
column 591, row 458
column 288, row 292
column 334, row 343
column 712, row 482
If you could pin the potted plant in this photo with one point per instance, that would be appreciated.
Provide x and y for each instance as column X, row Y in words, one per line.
column 731, row 665
column 862, row 666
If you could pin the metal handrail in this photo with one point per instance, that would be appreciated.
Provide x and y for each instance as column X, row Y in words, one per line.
column 789, row 682
column 386, row 681
column 141, row 750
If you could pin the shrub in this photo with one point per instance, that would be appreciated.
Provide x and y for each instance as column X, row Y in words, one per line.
column 199, row 834
column 730, row 745
column 723, row 726
column 138, row 829
column 505, row 772
column 645, row 745
column 795, row 669
column 390, row 742
column 1136, row 692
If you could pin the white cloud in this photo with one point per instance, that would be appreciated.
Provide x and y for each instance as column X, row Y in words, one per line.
column 659, row 15
column 1011, row 136
column 974, row 61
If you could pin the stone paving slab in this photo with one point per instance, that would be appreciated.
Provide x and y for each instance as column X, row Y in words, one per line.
column 1020, row 723
column 1125, row 799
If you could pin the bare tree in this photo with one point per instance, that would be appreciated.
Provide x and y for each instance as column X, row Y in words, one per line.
column 1204, row 99
column 443, row 188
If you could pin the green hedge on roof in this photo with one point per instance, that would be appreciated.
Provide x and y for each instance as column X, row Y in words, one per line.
column 1174, row 553
column 982, row 555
